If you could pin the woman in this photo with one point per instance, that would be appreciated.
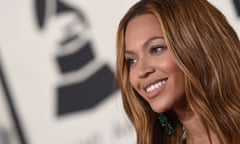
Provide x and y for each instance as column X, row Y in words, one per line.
column 178, row 70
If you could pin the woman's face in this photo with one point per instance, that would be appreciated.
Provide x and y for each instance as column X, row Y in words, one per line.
column 152, row 71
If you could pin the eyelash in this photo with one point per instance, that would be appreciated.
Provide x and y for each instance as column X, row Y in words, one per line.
column 130, row 61
column 155, row 50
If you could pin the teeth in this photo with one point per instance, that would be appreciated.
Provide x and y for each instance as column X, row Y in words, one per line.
column 156, row 86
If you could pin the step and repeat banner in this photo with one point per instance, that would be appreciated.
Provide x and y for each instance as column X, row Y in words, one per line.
column 57, row 60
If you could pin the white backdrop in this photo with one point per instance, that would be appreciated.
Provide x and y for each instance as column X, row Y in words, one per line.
column 28, row 56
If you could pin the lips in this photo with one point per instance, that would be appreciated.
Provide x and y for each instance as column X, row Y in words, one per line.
column 155, row 87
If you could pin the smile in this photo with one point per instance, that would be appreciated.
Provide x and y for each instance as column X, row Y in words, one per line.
column 155, row 86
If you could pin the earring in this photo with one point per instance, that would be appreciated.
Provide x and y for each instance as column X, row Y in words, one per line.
column 165, row 124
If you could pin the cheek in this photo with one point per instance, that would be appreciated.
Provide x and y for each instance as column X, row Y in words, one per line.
column 178, row 77
column 170, row 66
column 175, row 73
column 133, row 80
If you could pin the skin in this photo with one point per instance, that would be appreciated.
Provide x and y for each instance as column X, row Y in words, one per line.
column 150, row 62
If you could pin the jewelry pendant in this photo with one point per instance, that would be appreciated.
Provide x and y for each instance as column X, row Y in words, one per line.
column 165, row 124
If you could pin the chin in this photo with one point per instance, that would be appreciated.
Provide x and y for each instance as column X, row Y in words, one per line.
column 159, row 109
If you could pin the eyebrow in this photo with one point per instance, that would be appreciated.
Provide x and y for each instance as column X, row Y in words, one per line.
column 146, row 43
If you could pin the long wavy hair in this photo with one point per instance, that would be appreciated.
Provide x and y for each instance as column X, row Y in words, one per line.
column 207, row 50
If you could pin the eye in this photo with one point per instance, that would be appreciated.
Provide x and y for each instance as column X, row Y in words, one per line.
column 130, row 61
column 157, row 49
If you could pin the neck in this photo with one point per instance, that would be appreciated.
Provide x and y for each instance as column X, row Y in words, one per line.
column 196, row 132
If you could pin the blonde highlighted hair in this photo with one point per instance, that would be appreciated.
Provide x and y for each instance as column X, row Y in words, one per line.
column 207, row 50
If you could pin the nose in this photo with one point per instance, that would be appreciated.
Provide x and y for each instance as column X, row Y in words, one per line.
column 144, row 68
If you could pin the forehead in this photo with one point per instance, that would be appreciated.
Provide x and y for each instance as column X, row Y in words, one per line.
column 140, row 29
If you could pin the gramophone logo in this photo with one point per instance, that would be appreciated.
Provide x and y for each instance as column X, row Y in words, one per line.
column 237, row 6
column 86, row 81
